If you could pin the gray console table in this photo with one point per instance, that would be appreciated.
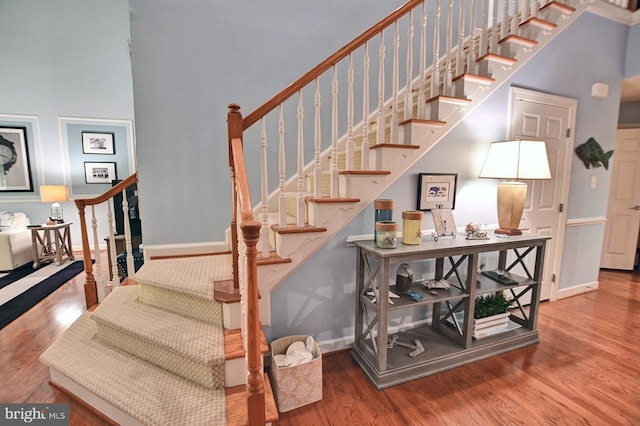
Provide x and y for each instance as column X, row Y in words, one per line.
column 447, row 340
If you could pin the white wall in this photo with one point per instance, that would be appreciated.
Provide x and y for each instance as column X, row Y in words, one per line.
column 63, row 58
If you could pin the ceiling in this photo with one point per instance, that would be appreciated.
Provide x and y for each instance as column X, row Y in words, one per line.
column 630, row 89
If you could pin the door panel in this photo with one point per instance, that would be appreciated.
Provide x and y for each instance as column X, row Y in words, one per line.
column 623, row 213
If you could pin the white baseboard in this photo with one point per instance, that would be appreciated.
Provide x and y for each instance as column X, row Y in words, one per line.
column 188, row 249
column 576, row 290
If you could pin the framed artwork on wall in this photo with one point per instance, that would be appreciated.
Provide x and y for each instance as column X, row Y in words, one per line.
column 98, row 143
column 15, row 168
column 102, row 172
column 436, row 190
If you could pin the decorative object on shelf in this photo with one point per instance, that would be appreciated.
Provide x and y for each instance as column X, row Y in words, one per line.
column 475, row 232
column 54, row 194
column 99, row 172
column 440, row 284
column 404, row 277
column 436, row 189
column 444, row 224
column 414, row 295
column 491, row 314
column 500, row 276
column 386, row 234
column 383, row 210
column 412, row 227
column 592, row 154
column 15, row 168
column 416, row 349
column 98, row 143
column 516, row 159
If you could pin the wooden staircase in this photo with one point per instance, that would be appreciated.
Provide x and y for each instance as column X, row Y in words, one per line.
column 270, row 239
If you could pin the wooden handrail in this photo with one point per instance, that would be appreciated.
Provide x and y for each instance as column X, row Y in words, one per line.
column 307, row 78
column 121, row 186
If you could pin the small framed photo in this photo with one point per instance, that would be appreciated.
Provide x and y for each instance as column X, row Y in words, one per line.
column 444, row 223
column 99, row 172
column 436, row 191
column 98, row 143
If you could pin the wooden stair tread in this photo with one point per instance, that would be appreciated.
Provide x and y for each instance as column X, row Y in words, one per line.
column 539, row 22
column 519, row 39
column 423, row 121
column 452, row 99
column 224, row 292
column 475, row 77
column 331, row 200
column 295, row 229
column 237, row 403
column 233, row 348
column 497, row 58
column 564, row 7
column 273, row 259
column 394, row 145
column 364, row 172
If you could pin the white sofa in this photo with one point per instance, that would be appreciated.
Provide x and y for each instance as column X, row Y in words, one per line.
column 15, row 240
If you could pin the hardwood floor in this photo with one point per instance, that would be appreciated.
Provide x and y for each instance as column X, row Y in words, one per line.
column 584, row 371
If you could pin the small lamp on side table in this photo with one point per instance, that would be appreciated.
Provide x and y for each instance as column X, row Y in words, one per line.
column 514, row 160
column 54, row 194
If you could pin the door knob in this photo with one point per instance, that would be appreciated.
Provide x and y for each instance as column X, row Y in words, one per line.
column 634, row 208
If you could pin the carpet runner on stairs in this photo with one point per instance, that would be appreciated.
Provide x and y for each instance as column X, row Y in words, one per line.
column 154, row 351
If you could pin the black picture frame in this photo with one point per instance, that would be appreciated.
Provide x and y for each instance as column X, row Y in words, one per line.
column 100, row 172
column 102, row 143
column 16, row 173
column 437, row 190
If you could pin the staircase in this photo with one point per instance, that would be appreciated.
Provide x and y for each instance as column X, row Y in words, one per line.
column 151, row 353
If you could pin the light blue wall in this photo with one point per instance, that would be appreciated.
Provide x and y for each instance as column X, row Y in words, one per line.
column 632, row 67
column 61, row 58
column 190, row 60
column 322, row 304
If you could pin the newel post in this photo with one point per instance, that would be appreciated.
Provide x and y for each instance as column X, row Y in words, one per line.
column 234, row 128
column 90, row 290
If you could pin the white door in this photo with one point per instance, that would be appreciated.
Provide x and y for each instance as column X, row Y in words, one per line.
column 550, row 118
column 623, row 214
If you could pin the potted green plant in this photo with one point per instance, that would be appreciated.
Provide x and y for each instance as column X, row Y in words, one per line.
column 491, row 314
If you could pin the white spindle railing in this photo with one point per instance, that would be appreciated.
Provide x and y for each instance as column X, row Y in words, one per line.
column 422, row 101
column 380, row 121
column 282, row 198
column 448, row 73
column 350, row 161
column 435, row 64
column 101, row 290
column 471, row 60
column 364, row 147
column 395, row 122
column 264, row 247
column 300, row 210
column 408, row 93
column 334, row 135
column 317, row 171
column 460, row 55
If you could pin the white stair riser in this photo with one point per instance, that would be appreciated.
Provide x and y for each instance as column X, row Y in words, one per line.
column 442, row 109
column 354, row 186
column 534, row 31
column 323, row 214
column 235, row 372
column 287, row 244
column 513, row 49
column 466, row 88
column 231, row 314
column 490, row 67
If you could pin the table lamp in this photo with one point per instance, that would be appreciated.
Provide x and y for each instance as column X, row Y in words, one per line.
column 54, row 194
column 513, row 160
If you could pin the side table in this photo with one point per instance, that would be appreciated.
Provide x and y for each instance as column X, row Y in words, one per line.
column 51, row 242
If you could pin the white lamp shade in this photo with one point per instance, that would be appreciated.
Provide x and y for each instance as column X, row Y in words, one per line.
column 518, row 159
column 53, row 193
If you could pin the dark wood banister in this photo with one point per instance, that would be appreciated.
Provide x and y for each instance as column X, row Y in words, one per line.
column 250, row 235
column 90, row 290
column 307, row 78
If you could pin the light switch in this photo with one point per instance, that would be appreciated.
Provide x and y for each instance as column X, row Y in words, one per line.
column 594, row 181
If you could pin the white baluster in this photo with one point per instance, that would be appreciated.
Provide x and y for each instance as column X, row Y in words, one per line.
column 334, row 135
column 300, row 211
column 97, row 267
column 493, row 46
column 380, row 123
column 317, row 171
column 484, row 48
column 504, row 27
column 115, row 279
column 515, row 19
column 265, row 249
column 350, row 161
column 525, row 10
column 471, row 60
column 435, row 71
column 364, row 148
column 395, row 122
column 408, row 94
column 448, row 77
column 282, row 199
column 460, row 67
column 423, row 67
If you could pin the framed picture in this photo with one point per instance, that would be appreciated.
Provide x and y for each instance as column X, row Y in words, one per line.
column 15, row 168
column 436, row 190
column 98, row 143
column 99, row 172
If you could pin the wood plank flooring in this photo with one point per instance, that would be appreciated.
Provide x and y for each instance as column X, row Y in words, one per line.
column 584, row 371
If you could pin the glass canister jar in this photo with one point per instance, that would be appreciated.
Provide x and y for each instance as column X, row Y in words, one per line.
column 383, row 210
column 386, row 234
column 412, row 227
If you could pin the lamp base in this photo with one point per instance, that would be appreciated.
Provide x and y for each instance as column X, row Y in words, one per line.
column 506, row 231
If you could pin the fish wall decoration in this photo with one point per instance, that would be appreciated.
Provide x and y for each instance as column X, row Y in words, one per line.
column 592, row 154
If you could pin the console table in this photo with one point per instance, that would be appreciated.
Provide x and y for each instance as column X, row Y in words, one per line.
column 448, row 339
column 51, row 242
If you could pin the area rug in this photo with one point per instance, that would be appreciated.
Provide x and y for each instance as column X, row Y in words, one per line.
column 21, row 294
